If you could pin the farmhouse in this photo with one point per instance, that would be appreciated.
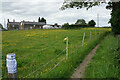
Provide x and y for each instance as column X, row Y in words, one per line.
column 24, row 25
column 13, row 25
column 31, row 25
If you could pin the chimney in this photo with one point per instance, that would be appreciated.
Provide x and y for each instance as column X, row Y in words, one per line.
column 13, row 20
column 8, row 20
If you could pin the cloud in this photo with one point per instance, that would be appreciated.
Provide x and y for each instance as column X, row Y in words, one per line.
column 31, row 10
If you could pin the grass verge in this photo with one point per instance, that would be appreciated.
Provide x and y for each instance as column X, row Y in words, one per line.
column 105, row 62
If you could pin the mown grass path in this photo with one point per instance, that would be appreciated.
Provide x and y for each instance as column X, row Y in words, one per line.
column 80, row 70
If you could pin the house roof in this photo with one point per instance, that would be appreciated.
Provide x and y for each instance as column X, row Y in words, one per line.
column 27, row 23
column 33, row 23
column 13, row 23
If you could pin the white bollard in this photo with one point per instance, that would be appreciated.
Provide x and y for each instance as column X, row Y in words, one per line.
column 90, row 35
column 11, row 65
column 95, row 33
column 67, row 48
column 83, row 39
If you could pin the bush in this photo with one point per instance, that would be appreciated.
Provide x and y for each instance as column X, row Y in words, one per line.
column 65, row 26
column 92, row 23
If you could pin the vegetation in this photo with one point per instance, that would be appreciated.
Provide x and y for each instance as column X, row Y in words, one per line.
column 115, row 21
column 35, row 48
column 65, row 26
column 41, row 20
column 56, row 24
column 114, row 6
column 92, row 23
column 80, row 21
column 106, row 62
column 1, row 26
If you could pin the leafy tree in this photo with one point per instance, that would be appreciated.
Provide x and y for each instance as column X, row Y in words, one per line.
column 39, row 19
column 1, row 26
column 8, row 20
column 65, row 26
column 43, row 20
column 80, row 21
column 114, row 6
column 92, row 23
column 56, row 24
column 115, row 21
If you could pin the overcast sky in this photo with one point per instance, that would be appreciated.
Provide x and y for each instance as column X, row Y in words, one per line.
column 50, row 10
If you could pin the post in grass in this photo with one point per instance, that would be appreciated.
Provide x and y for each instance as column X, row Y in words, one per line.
column 66, row 39
column 90, row 35
column 11, row 65
column 83, row 39
column 95, row 33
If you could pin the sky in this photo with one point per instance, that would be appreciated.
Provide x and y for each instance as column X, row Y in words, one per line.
column 30, row 10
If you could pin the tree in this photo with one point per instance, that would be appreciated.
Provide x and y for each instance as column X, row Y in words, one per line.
column 114, row 6
column 65, row 26
column 56, row 24
column 1, row 26
column 39, row 19
column 43, row 20
column 80, row 21
column 92, row 23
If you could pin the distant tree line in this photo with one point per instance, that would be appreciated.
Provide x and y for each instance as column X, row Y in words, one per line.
column 79, row 23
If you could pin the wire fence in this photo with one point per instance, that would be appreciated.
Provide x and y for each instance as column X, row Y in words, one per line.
column 51, row 45
column 44, row 64
column 52, row 60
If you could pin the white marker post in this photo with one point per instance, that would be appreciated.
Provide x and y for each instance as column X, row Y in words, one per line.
column 83, row 39
column 11, row 65
column 67, row 48
column 90, row 35
column 99, row 32
column 95, row 33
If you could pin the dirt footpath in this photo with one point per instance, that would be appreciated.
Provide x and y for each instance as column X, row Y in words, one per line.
column 80, row 70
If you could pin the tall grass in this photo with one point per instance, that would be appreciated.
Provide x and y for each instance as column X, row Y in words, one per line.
column 105, row 64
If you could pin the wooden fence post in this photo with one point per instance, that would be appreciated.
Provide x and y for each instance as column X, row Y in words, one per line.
column 11, row 65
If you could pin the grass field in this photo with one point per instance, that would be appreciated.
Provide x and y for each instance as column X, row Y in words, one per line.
column 35, row 48
column 105, row 63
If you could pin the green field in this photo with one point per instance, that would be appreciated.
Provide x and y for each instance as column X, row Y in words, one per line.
column 41, row 53
column 105, row 63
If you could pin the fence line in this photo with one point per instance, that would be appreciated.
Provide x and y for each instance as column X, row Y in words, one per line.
column 63, row 60
column 52, row 59
column 44, row 64
column 55, row 66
